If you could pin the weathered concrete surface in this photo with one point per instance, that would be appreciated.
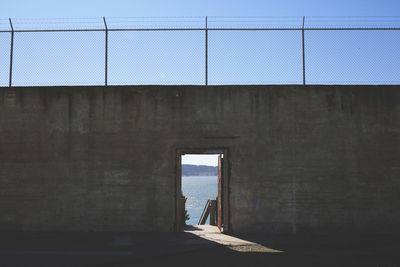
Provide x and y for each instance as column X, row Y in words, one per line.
column 213, row 234
column 196, row 247
column 316, row 158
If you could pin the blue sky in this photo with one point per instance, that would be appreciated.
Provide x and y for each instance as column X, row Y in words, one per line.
column 128, row 8
column 209, row 160
column 178, row 57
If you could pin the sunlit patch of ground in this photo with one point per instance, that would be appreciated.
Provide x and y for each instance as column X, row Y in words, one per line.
column 253, row 248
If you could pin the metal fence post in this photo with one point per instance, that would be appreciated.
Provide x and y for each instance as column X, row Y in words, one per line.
column 206, row 51
column 11, row 51
column 106, row 53
column 304, row 56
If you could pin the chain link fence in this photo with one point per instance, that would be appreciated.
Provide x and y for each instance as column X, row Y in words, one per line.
column 199, row 51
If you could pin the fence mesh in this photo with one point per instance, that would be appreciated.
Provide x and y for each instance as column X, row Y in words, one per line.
column 58, row 58
column 200, row 51
column 156, row 57
column 352, row 57
column 4, row 58
column 255, row 57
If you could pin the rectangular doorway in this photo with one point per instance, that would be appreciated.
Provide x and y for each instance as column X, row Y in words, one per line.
column 199, row 165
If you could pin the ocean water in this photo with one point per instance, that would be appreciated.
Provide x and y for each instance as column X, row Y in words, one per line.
column 198, row 189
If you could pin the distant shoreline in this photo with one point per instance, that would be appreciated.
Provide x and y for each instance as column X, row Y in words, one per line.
column 199, row 170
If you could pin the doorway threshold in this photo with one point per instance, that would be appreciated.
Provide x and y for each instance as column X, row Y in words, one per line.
column 212, row 233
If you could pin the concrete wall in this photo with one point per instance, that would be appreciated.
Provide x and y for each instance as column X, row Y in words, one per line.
column 323, row 159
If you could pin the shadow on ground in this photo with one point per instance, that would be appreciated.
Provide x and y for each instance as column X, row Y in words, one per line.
column 188, row 249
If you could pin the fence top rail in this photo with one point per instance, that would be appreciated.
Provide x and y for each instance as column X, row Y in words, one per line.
column 209, row 29
column 199, row 23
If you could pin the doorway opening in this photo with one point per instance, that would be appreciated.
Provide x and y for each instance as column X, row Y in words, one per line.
column 202, row 188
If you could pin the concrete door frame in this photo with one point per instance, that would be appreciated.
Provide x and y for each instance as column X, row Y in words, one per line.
column 225, row 181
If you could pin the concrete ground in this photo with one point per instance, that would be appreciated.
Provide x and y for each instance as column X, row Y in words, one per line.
column 196, row 246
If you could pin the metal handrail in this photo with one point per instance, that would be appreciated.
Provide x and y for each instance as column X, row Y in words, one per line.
column 205, row 213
